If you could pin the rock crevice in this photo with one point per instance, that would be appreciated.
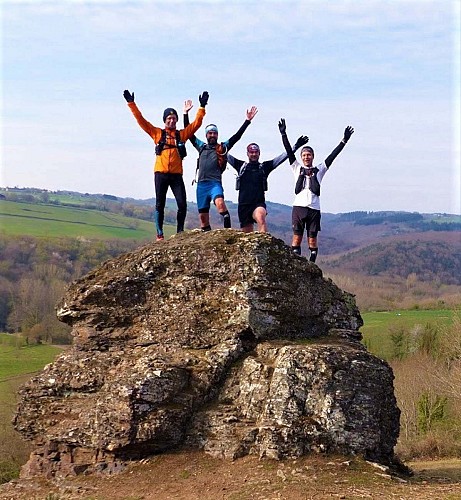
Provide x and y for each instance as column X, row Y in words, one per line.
column 223, row 341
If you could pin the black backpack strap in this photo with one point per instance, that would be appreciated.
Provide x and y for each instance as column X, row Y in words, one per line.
column 314, row 184
column 200, row 151
column 239, row 175
column 301, row 182
column 180, row 145
column 264, row 176
column 161, row 143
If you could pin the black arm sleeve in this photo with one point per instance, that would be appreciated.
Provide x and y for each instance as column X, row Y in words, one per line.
column 193, row 139
column 238, row 135
column 288, row 149
column 331, row 157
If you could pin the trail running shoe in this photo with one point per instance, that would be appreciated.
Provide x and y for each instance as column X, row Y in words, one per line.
column 160, row 237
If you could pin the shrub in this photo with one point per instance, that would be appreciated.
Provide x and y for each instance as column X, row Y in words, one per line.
column 428, row 340
column 400, row 342
column 9, row 470
column 432, row 408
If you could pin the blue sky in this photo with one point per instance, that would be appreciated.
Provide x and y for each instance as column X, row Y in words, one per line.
column 388, row 68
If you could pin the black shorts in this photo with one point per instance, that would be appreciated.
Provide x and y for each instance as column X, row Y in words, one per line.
column 305, row 218
column 245, row 213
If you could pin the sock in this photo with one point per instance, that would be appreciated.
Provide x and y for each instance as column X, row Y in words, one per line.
column 314, row 252
column 227, row 219
column 206, row 228
column 296, row 250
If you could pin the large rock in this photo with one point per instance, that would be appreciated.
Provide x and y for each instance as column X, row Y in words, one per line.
column 223, row 341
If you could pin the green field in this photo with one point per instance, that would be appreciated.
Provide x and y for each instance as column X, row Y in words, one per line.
column 42, row 220
column 17, row 363
column 19, row 359
column 378, row 326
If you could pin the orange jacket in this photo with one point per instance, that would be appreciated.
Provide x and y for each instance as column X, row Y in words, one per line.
column 169, row 160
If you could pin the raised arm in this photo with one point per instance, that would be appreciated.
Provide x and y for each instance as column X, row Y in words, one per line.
column 235, row 162
column 250, row 114
column 347, row 135
column 190, row 129
column 278, row 160
column 303, row 139
column 142, row 122
column 286, row 142
column 187, row 107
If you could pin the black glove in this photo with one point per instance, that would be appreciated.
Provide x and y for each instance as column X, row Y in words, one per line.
column 203, row 99
column 282, row 126
column 347, row 133
column 301, row 141
column 129, row 97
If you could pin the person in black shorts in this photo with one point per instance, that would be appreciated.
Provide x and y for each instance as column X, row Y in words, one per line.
column 305, row 214
column 252, row 184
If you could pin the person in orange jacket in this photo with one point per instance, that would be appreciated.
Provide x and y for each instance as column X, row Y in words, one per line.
column 170, row 150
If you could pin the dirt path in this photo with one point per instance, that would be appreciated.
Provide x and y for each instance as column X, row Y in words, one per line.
column 194, row 475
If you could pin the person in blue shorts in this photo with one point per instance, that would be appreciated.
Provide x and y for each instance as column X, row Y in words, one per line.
column 211, row 164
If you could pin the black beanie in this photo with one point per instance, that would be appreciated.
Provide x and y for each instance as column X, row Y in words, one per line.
column 168, row 112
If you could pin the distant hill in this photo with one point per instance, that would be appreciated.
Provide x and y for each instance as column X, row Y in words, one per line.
column 368, row 243
column 429, row 257
column 388, row 260
column 344, row 232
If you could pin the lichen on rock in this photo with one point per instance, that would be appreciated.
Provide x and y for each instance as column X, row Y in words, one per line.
column 221, row 341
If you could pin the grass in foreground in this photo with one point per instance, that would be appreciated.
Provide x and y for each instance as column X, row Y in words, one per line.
column 19, row 359
column 17, row 363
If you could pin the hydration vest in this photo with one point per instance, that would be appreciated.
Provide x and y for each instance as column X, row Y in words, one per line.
column 242, row 170
column 162, row 144
column 221, row 154
column 314, row 184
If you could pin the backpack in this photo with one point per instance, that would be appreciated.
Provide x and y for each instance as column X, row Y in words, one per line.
column 222, row 158
column 162, row 144
column 241, row 172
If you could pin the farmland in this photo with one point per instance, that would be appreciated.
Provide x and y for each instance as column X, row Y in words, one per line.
column 73, row 222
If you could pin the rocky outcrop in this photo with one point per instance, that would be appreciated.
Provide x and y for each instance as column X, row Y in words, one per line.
column 222, row 341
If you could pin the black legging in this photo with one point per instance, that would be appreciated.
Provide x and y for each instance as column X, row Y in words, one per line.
column 176, row 183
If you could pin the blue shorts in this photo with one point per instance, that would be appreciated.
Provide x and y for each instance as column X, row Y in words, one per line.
column 208, row 191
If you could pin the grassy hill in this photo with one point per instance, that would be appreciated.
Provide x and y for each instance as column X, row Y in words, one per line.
column 45, row 220
column 103, row 215
column 378, row 327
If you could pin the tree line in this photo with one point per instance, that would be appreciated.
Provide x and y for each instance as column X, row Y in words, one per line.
column 440, row 263
column 34, row 273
